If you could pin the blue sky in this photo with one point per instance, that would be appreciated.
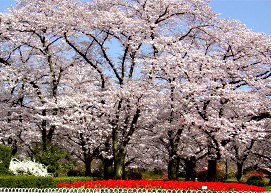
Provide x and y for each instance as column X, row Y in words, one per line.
column 256, row 14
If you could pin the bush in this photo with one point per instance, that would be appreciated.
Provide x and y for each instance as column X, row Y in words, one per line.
column 134, row 175
column 75, row 173
column 38, row 182
column 5, row 158
column 27, row 167
column 256, row 181
column 66, row 180
column 53, row 156
column 26, row 182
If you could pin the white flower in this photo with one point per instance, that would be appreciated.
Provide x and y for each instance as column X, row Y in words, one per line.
column 27, row 167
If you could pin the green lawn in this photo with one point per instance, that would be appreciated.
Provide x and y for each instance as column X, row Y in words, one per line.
column 268, row 188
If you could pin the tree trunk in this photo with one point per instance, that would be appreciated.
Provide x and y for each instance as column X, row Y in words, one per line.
column 119, row 165
column 211, row 171
column 173, row 167
column 213, row 156
column 190, row 166
column 119, row 146
column 269, row 175
column 226, row 176
column 87, row 156
column 107, row 166
column 174, row 160
column 88, row 160
column 118, row 156
column 239, row 171
column 107, row 162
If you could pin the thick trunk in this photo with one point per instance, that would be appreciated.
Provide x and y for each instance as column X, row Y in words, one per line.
column 46, row 136
column 107, row 166
column 43, row 131
column 87, row 156
column 269, row 175
column 88, row 160
column 239, row 171
column 213, row 156
column 119, row 165
column 211, row 171
column 107, row 162
column 226, row 164
column 174, row 160
column 118, row 156
column 190, row 169
column 120, row 145
column 173, row 167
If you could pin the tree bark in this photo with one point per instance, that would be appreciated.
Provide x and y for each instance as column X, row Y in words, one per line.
column 119, row 164
column 211, row 171
column 173, row 167
column 88, row 160
column 190, row 167
column 269, row 176
column 107, row 162
column 226, row 176
column 213, row 156
column 239, row 170
column 107, row 166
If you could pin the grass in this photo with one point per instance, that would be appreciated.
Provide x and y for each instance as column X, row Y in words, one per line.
column 267, row 188
column 266, row 180
column 231, row 180
column 151, row 176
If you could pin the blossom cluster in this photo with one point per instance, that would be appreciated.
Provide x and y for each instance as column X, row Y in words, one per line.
column 159, row 184
column 27, row 167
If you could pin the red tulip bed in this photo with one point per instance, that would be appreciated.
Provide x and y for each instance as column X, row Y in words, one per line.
column 135, row 185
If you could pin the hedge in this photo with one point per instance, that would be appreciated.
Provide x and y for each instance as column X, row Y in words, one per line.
column 38, row 182
column 5, row 158
column 256, row 181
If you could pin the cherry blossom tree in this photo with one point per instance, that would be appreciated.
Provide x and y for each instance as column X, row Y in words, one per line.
column 220, row 61
column 260, row 155
column 100, row 74
column 36, row 59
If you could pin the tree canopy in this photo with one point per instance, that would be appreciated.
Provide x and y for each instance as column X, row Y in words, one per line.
column 143, row 82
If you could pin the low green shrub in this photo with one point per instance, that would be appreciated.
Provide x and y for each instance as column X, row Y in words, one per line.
column 38, row 182
column 134, row 175
column 66, row 180
column 74, row 173
column 53, row 156
column 256, row 181
column 5, row 158
column 26, row 182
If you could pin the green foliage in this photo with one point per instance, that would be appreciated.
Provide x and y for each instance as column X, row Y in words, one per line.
column 52, row 156
column 37, row 182
column 5, row 158
column 26, row 182
column 75, row 173
column 256, row 181
column 153, row 175
column 66, row 180
column 134, row 175
column 268, row 188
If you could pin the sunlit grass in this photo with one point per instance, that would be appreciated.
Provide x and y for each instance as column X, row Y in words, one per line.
column 267, row 188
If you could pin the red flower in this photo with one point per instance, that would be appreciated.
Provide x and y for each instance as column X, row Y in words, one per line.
column 156, row 184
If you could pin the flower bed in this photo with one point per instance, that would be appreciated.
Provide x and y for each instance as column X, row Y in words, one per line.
column 159, row 184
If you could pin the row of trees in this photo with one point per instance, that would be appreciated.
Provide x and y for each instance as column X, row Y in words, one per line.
column 151, row 83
